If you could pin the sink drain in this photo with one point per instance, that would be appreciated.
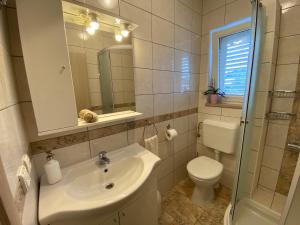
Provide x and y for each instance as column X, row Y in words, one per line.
column 109, row 186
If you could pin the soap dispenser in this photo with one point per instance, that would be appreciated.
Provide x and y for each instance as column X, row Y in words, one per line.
column 52, row 169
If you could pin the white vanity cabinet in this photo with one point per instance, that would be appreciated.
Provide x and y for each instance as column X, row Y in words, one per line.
column 142, row 210
column 47, row 64
column 110, row 219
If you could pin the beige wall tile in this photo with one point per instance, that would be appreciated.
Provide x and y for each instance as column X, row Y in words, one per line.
column 163, row 81
column 159, row 27
column 213, row 20
column 181, row 142
column 142, row 53
column 163, row 57
column 163, row 104
column 181, row 101
column 165, row 149
column 164, row 9
column 268, row 178
column 237, row 10
column 277, row 135
column 286, row 77
column 289, row 50
column 266, row 77
column 290, row 24
column 209, row 5
column 272, row 157
column 183, row 15
column 231, row 112
column 145, row 105
column 183, row 61
column 181, row 82
column 282, row 105
column 143, row 4
column 263, row 196
column 204, row 63
column 197, row 5
column 138, row 16
column 183, row 39
column 196, row 44
column 196, row 23
column 108, row 143
column 143, row 79
column 181, row 124
column 269, row 48
column 195, row 63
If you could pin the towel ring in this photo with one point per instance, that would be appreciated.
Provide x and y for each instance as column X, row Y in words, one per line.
column 148, row 124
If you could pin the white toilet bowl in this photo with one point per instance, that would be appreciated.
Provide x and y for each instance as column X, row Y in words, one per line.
column 205, row 173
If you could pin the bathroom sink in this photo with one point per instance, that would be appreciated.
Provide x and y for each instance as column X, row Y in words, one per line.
column 88, row 187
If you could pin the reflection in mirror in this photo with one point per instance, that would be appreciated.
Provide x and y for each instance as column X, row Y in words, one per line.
column 100, row 50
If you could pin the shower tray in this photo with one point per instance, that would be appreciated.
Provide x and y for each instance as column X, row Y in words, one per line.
column 249, row 212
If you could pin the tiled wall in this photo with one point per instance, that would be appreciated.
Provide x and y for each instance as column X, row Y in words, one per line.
column 122, row 79
column 166, row 68
column 14, row 142
column 216, row 14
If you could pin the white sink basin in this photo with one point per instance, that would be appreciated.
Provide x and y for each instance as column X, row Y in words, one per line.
column 87, row 186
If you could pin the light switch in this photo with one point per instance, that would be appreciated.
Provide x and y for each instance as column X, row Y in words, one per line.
column 24, row 178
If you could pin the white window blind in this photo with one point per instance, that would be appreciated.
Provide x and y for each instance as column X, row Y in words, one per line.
column 233, row 62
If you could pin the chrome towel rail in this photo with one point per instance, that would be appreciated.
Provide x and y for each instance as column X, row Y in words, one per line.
column 293, row 147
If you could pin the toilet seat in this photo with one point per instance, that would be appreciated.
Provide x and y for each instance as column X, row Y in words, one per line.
column 205, row 168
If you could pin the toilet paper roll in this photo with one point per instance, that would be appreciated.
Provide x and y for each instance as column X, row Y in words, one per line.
column 171, row 134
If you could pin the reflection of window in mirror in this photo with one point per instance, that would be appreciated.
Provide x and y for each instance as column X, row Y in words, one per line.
column 229, row 58
column 100, row 50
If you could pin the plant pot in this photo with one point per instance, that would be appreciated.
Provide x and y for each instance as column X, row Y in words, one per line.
column 214, row 99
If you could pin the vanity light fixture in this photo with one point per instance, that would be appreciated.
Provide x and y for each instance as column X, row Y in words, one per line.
column 125, row 31
column 90, row 30
column 118, row 21
column 118, row 37
column 94, row 24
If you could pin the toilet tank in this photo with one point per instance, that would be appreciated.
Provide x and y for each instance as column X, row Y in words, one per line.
column 221, row 136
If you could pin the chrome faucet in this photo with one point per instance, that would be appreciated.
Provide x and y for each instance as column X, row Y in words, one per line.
column 103, row 159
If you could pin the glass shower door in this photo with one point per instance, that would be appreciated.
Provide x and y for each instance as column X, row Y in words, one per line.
column 242, row 184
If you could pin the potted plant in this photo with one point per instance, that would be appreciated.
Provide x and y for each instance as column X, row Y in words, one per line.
column 214, row 95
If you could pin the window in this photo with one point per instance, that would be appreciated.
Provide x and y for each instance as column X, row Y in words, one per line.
column 233, row 62
column 229, row 58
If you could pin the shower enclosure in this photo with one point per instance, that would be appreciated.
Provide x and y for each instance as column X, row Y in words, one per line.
column 244, row 209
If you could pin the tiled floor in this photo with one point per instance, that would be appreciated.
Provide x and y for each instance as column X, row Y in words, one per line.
column 178, row 209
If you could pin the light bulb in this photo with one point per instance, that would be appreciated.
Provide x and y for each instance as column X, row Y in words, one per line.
column 118, row 37
column 90, row 30
column 125, row 33
column 118, row 21
column 95, row 25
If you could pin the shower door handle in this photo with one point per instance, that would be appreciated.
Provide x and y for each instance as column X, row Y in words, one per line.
column 243, row 122
column 294, row 147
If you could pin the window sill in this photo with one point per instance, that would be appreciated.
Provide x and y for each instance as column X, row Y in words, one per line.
column 225, row 105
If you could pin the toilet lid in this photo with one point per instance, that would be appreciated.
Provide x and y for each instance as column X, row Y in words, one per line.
column 204, row 168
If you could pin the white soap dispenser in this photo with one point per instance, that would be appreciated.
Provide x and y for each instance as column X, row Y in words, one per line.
column 52, row 169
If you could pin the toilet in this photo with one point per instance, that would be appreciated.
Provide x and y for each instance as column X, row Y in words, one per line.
column 206, row 172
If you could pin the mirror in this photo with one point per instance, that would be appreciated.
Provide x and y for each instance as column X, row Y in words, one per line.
column 101, row 57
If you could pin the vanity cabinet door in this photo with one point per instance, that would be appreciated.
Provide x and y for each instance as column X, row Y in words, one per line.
column 47, row 63
column 141, row 211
